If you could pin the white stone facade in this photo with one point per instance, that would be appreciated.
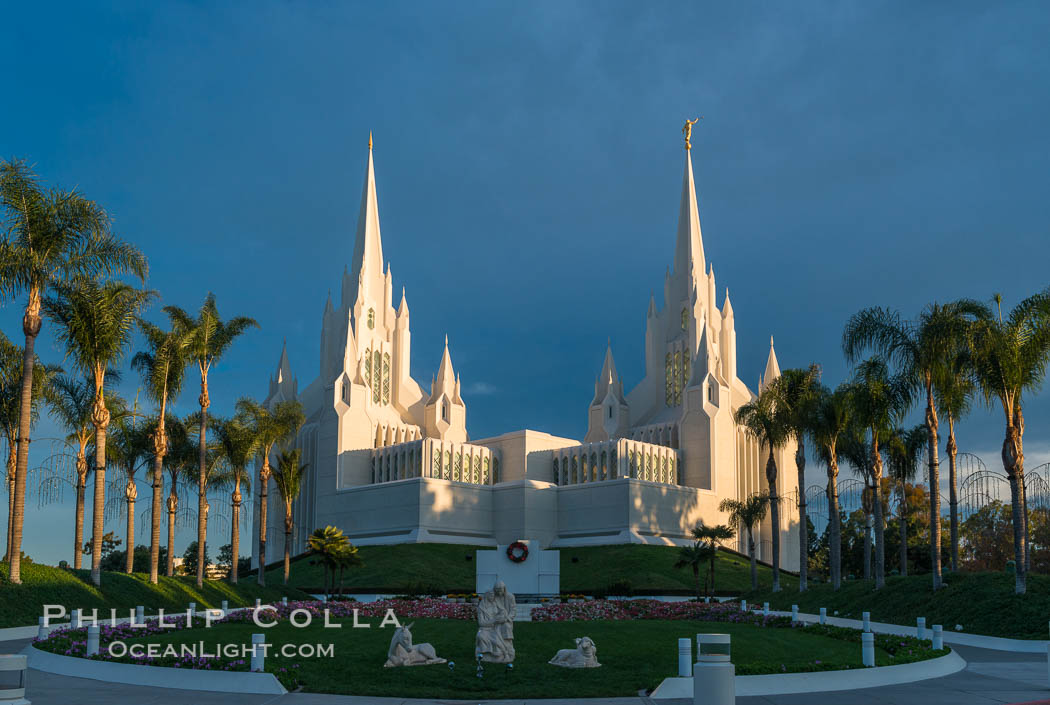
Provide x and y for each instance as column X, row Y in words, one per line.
column 390, row 462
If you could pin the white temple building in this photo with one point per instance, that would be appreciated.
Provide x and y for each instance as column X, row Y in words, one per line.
column 390, row 461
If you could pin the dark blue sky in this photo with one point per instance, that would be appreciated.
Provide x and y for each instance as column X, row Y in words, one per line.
column 528, row 159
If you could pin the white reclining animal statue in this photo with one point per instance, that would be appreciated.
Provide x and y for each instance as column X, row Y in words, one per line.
column 585, row 655
column 403, row 652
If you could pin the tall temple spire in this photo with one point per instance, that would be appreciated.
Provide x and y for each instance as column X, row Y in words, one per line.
column 689, row 248
column 446, row 377
column 366, row 268
column 772, row 367
column 608, row 378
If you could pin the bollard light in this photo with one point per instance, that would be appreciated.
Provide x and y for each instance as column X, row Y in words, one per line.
column 714, row 676
column 74, row 619
column 685, row 658
column 258, row 653
column 13, row 679
column 92, row 640
column 225, row 607
column 867, row 649
column 920, row 628
column 41, row 630
column 743, row 605
column 765, row 609
column 794, row 613
column 140, row 615
column 258, row 603
column 867, row 621
column 823, row 615
column 938, row 641
column 284, row 600
column 712, row 647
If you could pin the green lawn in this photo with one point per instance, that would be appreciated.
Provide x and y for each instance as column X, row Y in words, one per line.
column 21, row 605
column 444, row 568
column 634, row 655
column 983, row 603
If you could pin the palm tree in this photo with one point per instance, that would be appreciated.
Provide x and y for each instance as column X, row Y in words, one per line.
column 328, row 544
column 831, row 419
column 1010, row 357
column 51, row 236
column 955, row 389
column 346, row 557
column 694, row 556
column 712, row 536
column 765, row 418
column 920, row 349
column 747, row 513
column 180, row 464
column 72, row 409
column 163, row 370
column 238, row 444
column 903, row 450
column 208, row 339
column 880, row 400
column 799, row 391
column 854, row 448
column 95, row 322
column 272, row 427
column 11, row 361
column 128, row 445
column 288, row 476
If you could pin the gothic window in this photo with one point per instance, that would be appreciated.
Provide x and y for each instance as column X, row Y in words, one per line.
column 444, row 410
column 495, row 470
column 346, row 391
column 685, row 371
column 448, row 465
column 605, row 467
column 685, row 318
column 377, row 368
column 368, row 367
column 437, row 463
column 610, row 411
column 373, row 471
column 668, row 390
column 633, row 464
column 710, row 393
column 678, row 377
column 614, row 469
column 594, row 467
column 557, row 472
column 371, row 318
column 477, row 469
column 386, row 378
column 648, row 466
column 575, row 471
column 485, row 474
column 457, row 474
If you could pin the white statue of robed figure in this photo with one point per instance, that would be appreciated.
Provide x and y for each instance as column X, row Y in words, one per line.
column 495, row 640
column 403, row 652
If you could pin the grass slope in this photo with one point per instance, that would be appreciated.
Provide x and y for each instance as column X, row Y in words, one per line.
column 444, row 568
column 634, row 655
column 21, row 605
column 983, row 603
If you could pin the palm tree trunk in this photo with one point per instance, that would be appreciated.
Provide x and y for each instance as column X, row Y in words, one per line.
column 264, row 490
column 100, row 418
column 1013, row 463
column 803, row 525
column 953, row 496
column 696, row 579
column 10, row 512
column 78, row 522
column 287, row 541
column 835, row 549
column 774, row 516
column 173, row 506
column 867, row 545
column 235, row 531
column 880, row 524
column 160, row 449
column 202, row 501
column 751, row 555
column 902, row 512
column 131, row 494
column 31, row 327
column 935, row 489
column 711, row 573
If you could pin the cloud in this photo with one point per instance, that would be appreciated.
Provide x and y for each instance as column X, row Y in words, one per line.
column 480, row 389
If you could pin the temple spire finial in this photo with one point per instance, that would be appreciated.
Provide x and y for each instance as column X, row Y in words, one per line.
column 369, row 140
column 687, row 130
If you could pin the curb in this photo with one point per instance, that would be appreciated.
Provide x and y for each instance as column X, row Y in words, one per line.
column 823, row 681
column 157, row 676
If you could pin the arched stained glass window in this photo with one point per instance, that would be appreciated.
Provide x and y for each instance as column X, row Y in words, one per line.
column 495, row 470
column 677, row 377
column 377, row 367
column 371, row 318
column 437, row 463
column 557, row 471
column 668, row 385
column 368, row 367
column 386, row 378
column 575, row 471
column 477, row 469
column 685, row 371
column 485, row 475
column 448, row 465
column 457, row 474
column 685, row 318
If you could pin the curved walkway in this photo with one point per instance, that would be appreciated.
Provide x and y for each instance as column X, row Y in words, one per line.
column 990, row 678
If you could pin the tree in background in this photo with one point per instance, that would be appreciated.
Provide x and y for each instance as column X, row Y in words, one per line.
column 180, row 465
column 712, row 537
column 333, row 551
column 50, row 237
column 920, row 349
column 831, row 419
column 747, row 513
column 191, row 555
column 128, row 447
column 288, row 476
column 244, row 563
column 903, row 449
column 799, row 392
column 272, row 427
column 765, row 418
column 986, row 538
column 237, row 444
column 108, row 546
column 694, row 556
column 208, row 339
column 95, row 321
column 163, row 369
column 955, row 389
column 1009, row 358
column 880, row 401
column 72, row 409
